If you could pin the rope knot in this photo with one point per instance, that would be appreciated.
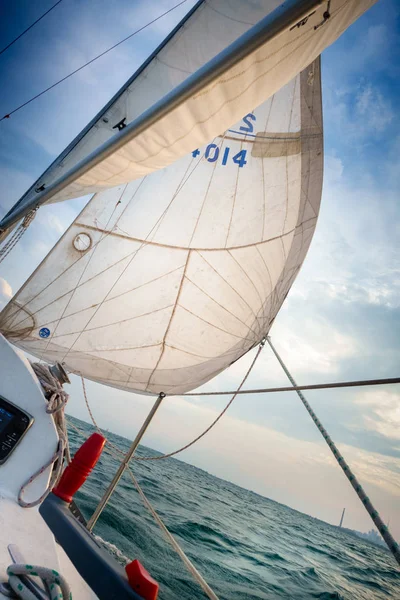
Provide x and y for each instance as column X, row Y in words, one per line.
column 56, row 400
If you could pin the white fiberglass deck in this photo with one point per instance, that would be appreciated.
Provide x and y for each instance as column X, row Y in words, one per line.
column 25, row 527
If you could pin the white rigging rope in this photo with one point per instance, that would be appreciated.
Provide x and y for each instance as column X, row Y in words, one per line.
column 369, row 507
column 196, row 439
column 52, row 387
column 17, row 235
column 57, row 399
column 20, row 574
column 188, row 564
column 56, row 585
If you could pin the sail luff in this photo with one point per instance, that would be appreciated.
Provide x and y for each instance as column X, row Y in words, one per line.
column 298, row 22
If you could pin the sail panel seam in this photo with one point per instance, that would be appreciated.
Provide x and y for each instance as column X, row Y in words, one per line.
column 204, row 198
column 247, row 276
column 227, row 282
column 151, row 312
column 287, row 158
column 211, row 324
column 229, row 17
column 33, row 313
column 220, row 305
column 194, row 248
column 80, row 278
column 171, row 318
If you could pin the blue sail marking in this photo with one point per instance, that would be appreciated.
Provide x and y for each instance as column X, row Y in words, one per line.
column 212, row 154
column 249, row 127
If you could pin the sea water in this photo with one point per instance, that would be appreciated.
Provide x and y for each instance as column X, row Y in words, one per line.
column 246, row 546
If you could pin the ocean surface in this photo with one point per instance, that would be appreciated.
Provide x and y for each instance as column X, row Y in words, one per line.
column 247, row 547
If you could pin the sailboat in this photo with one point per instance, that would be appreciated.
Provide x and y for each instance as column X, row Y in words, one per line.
column 206, row 170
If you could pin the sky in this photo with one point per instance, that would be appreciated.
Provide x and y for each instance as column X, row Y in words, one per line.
column 341, row 319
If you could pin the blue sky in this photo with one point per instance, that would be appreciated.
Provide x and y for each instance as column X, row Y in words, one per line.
column 341, row 319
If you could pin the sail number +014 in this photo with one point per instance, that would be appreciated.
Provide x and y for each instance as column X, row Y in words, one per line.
column 212, row 154
column 212, row 151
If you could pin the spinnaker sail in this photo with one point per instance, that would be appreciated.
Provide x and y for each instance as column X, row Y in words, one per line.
column 154, row 121
column 163, row 282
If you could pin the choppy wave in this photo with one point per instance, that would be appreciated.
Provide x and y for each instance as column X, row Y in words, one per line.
column 246, row 546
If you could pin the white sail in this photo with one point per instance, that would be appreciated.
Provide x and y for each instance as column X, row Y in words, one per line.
column 194, row 121
column 207, row 29
column 162, row 283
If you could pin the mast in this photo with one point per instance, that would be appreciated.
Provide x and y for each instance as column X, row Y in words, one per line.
column 291, row 14
column 373, row 513
column 341, row 520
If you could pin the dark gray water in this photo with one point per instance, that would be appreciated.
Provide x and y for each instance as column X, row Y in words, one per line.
column 246, row 546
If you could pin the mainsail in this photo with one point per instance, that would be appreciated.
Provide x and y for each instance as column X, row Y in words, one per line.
column 163, row 282
column 189, row 91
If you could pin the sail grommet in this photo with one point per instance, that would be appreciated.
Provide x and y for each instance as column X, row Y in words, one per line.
column 82, row 242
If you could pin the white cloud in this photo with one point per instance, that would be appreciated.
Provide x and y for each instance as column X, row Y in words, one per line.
column 333, row 170
column 371, row 291
column 370, row 51
column 50, row 220
column 312, row 344
column 40, row 249
column 376, row 38
column 372, row 47
column 5, row 292
column 385, row 418
column 375, row 469
column 354, row 254
column 373, row 108
column 5, row 288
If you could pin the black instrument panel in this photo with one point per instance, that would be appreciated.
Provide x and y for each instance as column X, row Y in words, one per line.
column 14, row 423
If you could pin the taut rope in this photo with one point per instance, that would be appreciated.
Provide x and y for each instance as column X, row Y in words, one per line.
column 175, row 452
column 373, row 513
